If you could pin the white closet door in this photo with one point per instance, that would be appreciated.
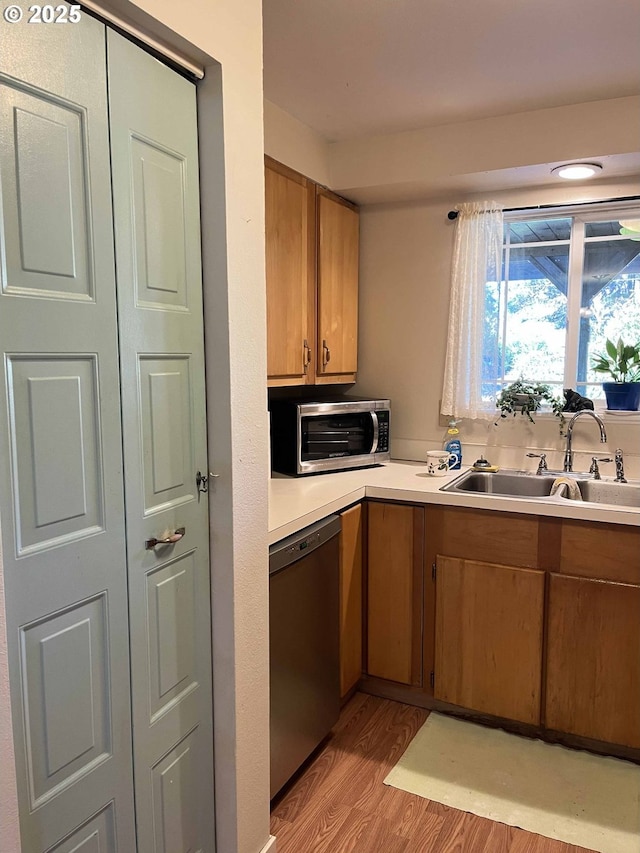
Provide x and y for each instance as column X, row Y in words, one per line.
column 157, row 229
column 61, row 495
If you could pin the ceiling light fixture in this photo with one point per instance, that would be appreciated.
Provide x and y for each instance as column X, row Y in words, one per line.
column 577, row 171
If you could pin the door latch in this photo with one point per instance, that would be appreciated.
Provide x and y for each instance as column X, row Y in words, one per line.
column 202, row 481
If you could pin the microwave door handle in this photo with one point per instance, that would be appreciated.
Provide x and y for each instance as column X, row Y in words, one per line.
column 374, row 418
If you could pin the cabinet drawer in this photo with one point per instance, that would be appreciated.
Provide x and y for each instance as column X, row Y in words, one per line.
column 493, row 537
column 608, row 551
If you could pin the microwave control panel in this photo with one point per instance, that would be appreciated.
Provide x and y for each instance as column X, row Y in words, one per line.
column 383, row 432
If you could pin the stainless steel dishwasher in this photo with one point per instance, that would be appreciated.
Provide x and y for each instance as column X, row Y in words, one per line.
column 304, row 624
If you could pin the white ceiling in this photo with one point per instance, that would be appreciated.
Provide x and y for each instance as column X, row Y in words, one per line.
column 354, row 68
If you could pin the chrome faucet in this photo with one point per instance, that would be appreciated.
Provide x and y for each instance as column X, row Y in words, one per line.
column 568, row 455
column 594, row 469
column 620, row 478
column 542, row 465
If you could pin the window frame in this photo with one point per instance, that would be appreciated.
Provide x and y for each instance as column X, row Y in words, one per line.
column 580, row 215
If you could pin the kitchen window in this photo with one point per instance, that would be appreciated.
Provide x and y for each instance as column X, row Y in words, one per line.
column 569, row 281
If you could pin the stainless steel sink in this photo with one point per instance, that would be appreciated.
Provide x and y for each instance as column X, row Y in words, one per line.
column 518, row 484
column 524, row 484
column 608, row 492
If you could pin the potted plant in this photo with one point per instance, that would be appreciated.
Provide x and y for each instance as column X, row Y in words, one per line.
column 525, row 398
column 622, row 362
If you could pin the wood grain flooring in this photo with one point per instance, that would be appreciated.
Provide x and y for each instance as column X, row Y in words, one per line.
column 338, row 803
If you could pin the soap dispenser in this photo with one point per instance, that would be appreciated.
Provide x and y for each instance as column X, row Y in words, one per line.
column 452, row 444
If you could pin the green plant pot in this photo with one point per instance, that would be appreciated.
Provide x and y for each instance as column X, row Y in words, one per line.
column 622, row 396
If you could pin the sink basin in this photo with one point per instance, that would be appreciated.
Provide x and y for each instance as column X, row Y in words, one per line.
column 608, row 492
column 519, row 484
column 524, row 484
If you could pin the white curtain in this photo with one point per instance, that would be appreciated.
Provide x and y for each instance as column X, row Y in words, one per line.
column 477, row 259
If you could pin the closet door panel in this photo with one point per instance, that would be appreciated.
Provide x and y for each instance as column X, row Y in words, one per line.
column 159, row 182
column 157, row 229
column 61, row 496
column 47, row 250
column 58, row 477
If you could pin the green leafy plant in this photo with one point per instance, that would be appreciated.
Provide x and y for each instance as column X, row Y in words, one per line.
column 525, row 398
column 621, row 361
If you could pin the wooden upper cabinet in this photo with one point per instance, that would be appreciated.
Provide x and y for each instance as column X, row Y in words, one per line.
column 395, row 588
column 290, row 272
column 488, row 641
column 338, row 249
column 593, row 659
column 312, row 281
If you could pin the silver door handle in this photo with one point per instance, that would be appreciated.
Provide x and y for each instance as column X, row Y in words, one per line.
column 171, row 539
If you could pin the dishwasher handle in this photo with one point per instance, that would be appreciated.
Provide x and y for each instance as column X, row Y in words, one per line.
column 295, row 547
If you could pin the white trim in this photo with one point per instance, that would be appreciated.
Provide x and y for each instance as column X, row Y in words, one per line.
column 622, row 418
column 599, row 409
column 131, row 29
column 574, row 298
column 591, row 210
column 542, row 243
column 503, row 313
column 270, row 846
column 606, row 238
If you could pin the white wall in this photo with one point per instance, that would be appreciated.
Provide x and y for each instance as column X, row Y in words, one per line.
column 407, row 241
column 229, row 32
column 295, row 144
column 501, row 153
column 405, row 270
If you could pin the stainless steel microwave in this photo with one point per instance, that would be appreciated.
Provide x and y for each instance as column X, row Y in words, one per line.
column 330, row 435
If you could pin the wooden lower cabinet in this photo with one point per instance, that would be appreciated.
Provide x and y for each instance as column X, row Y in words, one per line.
column 395, row 582
column 350, row 599
column 551, row 641
column 593, row 662
column 488, row 638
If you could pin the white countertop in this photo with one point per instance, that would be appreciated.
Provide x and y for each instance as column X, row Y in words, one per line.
column 295, row 502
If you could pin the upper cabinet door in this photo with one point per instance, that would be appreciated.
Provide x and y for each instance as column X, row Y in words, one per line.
column 338, row 244
column 290, row 262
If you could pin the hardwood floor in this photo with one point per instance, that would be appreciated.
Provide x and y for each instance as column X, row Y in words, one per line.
column 338, row 804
